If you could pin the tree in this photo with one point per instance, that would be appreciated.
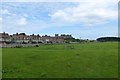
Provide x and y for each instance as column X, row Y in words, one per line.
column 106, row 39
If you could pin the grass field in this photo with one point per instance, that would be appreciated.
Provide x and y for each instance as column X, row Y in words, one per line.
column 89, row 60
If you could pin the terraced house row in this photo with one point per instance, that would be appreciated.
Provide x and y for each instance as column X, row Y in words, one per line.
column 22, row 38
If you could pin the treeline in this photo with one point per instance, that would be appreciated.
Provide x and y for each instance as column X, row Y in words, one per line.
column 69, row 40
column 110, row 39
column 101, row 39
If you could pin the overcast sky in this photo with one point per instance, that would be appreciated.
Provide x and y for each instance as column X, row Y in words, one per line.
column 88, row 19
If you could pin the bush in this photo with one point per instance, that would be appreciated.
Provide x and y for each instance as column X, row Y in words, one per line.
column 37, row 45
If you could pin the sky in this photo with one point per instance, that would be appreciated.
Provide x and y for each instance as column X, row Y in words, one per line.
column 82, row 19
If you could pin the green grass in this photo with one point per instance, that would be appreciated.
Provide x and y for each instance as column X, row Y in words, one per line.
column 90, row 60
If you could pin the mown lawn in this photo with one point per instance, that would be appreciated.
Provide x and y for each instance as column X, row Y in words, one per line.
column 89, row 60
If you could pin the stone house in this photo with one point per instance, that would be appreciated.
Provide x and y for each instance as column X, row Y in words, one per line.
column 4, row 38
column 23, row 38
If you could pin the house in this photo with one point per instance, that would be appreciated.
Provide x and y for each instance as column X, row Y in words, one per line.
column 4, row 38
column 53, row 39
column 35, row 38
column 19, row 38
column 22, row 38
column 66, row 36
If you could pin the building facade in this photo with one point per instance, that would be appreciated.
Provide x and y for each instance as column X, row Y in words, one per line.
column 22, row 38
